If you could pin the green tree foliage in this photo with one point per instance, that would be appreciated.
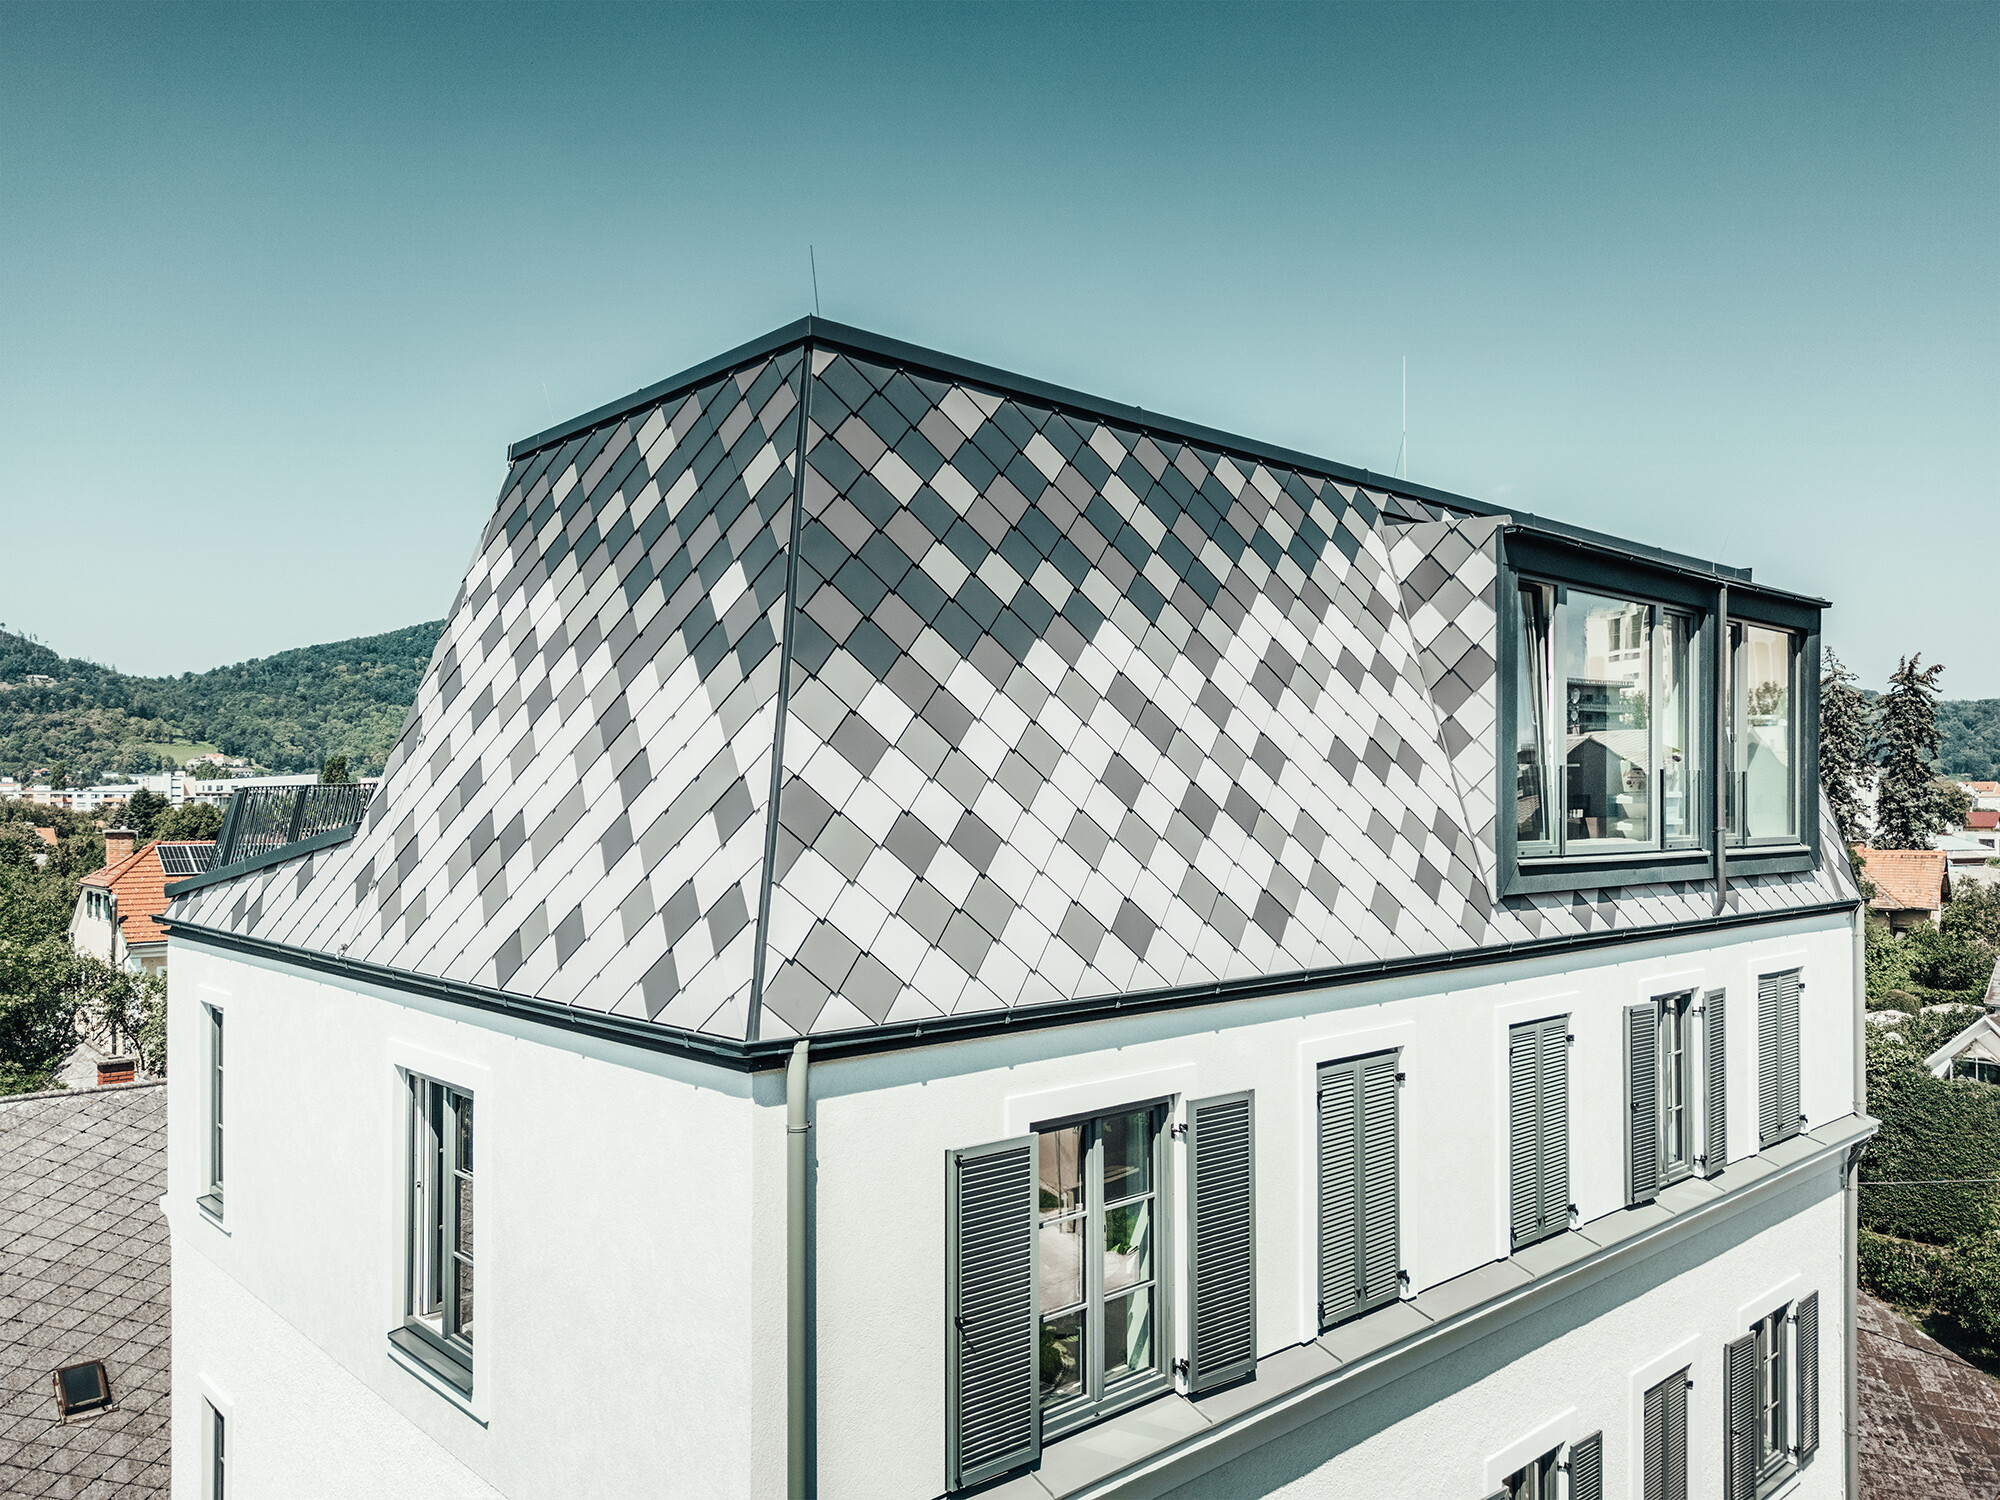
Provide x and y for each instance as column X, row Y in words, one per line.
column 42, row 987
column 1953, row 802
column 143, row 811
column 1846, row 726
column 288, row 712
column 1946, row 964
column 334, row 772
column 1932, row 1129
column 191, row 820
column 1908, row 809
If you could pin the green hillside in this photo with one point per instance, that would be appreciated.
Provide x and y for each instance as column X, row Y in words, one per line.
column 288, row 712
column 1971, row 731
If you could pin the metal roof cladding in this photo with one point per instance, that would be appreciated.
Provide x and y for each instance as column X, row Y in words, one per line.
column 1006, row 698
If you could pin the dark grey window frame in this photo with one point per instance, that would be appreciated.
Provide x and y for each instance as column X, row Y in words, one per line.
column 211, row 1200
column 1529, row 556
column 446, row 1350
column 218, row 1465
column 1110, row 1399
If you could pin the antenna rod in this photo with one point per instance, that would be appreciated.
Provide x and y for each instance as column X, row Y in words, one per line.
column 813, row 261
column 1403, row 451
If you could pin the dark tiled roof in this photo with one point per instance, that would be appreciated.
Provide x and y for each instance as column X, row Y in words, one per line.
column 1074, row 706
column 1930, row 1422
column 84, row 1275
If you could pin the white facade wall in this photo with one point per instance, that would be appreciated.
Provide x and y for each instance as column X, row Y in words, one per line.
column 632, row 1238
column 617, row 1342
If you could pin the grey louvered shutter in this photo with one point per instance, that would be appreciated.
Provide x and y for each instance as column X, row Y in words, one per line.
column 1777, row 1057
column 1739, row 1418
column 1381, row 1211
column 1808, row 1366
column 1339, row 1191
column 993, row 1416
column 1715, row 1071
column 1642, row 1101
column 1524, row 1155
column 1665, row 1457
column 1555, row 1125
column 1586, row 1468
column 1677, row 1438
column 1222, row 1241
column 1654, row 1457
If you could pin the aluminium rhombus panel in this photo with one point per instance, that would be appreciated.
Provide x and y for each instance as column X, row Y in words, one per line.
column 1075, row 709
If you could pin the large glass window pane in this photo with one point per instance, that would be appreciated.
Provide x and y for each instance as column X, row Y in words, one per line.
column 1128, row 1155
column 1128, row 1334
column 1531, row 712
column 1060, row 1160
column 1128, row 1245
column 1062, row 1357
column 1679, row 727
column 1604, row 654
column 1764, row 731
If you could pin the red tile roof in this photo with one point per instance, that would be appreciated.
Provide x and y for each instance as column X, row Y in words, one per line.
column 46, row 835
column 140, row 886
column 1984, row 788
column 1983, row 817
column 1905, row 879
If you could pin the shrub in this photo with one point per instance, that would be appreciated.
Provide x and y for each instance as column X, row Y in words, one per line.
column 1932, row 1128
column 1902, row 1272
column 1968, row 1287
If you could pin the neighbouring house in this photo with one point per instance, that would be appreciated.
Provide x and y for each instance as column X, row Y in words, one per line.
column 1911, row 885
column 1966, row 859
column 1985, row 795
column 83, row 1264
column 1983, row 825
column 118, row 906
column 1930, row 1421
column 1973, row 1053
column 1022, row 946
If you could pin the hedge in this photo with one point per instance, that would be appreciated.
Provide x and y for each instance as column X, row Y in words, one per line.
column 1903, row 1271
column 1932, row 1128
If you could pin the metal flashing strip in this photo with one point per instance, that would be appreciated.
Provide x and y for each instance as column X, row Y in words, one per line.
column 1238, row 1421
column 860, row 341
column 269, row 857
column 772, row 1054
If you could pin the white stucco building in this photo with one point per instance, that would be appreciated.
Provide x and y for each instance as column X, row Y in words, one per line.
column 1044, row 951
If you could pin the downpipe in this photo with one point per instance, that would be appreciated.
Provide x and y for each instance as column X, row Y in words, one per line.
column 1851, row 1238
column 796, row 1160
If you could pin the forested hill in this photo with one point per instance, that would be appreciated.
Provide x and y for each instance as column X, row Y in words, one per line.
column 1971, row 730
column 287, row 712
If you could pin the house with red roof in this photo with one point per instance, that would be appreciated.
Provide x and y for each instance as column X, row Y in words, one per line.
column 117, row 905
column 1911, row 885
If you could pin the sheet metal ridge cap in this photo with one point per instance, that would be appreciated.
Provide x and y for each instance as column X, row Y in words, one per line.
column 1152, row 1466
column 768, row 1054
column 251, row 863
column 1737, row 578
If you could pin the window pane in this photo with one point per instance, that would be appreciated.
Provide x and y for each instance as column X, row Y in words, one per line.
column 463, row 1244
column 1764, row 727
column 1060, row 1157
column 461, row 1271
column 1531, row 698
column 1062, row 1357
column 1062, row 1262
column 462, row 1107
column 1605, row 649
column 1128, row 1245
column 1680, row 756
column 1128, row 1334
column 1128, row 1155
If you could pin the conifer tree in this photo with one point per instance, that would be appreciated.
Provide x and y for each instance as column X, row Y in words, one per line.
column 1909, row 810
column 1846, row 723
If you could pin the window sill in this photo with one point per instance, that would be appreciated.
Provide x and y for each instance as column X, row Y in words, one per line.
column 418, row 1350
column 210, row 1204
column 1123, row 1399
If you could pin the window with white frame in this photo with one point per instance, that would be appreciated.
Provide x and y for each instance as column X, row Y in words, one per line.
column 212, row 1199
column 1771, row 1386
column 438, row 1308
column 218, row 1455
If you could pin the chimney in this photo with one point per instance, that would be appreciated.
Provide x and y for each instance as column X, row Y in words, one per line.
column 118, row 843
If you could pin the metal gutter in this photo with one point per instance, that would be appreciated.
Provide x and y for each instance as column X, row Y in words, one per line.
column 932, row 361
column 769, row 1055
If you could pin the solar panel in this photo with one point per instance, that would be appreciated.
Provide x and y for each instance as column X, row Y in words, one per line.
column 178, row 861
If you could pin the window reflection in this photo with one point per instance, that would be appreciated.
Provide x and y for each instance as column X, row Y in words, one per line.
column 1764, row 800
column 1606, row 662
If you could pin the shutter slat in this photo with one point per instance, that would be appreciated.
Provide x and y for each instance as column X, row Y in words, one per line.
column 993, row 1408
column 1808, row 1363
column 1523, row 1128
column 1586, row 1468
column 1642, row 1097
column 1555, row 1125
column 1339, row 1268
column 1767, row 1058
column 1739, row 1407
column 1675, row 1476
column 1788, row 1056
column 1655, row 1465
column 1222, row 1297
column 1715, row 1065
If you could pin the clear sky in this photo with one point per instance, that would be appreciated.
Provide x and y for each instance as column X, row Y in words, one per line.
column 279, row 283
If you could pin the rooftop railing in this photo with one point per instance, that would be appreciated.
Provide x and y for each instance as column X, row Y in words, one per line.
column 265, row 819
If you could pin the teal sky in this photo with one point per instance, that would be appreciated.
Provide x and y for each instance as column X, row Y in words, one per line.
column 278, row 284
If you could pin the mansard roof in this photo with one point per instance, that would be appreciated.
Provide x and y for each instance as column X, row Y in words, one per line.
column 1007, row 697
